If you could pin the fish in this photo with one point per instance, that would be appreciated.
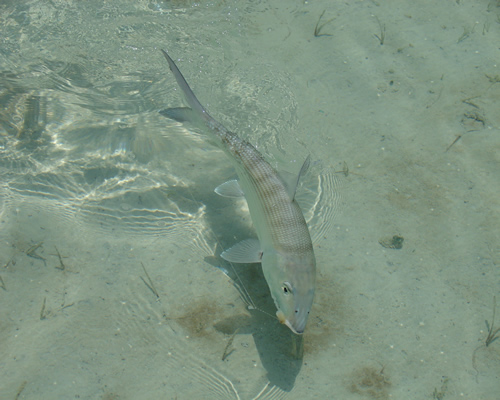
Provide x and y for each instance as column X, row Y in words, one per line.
column 283, row 245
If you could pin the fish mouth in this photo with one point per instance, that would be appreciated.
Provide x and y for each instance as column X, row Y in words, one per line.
column 293, row 329
column 297, row 328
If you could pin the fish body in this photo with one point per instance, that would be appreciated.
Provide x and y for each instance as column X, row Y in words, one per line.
column 284, row 246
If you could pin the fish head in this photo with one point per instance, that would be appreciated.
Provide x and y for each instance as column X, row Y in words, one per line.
column 292, row 282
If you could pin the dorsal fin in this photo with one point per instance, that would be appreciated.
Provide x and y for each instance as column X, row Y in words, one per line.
column 291, row 181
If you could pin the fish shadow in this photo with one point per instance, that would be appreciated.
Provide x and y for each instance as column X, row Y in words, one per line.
column 279, row 349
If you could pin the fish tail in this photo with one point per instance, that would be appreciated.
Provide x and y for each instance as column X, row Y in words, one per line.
column 195, row 113
column 188, row 93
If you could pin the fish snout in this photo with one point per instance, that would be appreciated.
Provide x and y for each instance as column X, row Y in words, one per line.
column 297, row 322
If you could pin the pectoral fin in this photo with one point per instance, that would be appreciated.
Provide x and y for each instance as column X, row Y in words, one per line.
column 230, row 189
column 246, row 252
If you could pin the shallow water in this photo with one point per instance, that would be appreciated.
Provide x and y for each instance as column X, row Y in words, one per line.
column 111, row 286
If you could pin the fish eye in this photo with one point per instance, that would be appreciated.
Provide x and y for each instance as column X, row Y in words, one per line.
column 287, row 288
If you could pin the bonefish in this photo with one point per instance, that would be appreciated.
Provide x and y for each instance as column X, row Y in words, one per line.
column 284, row 246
